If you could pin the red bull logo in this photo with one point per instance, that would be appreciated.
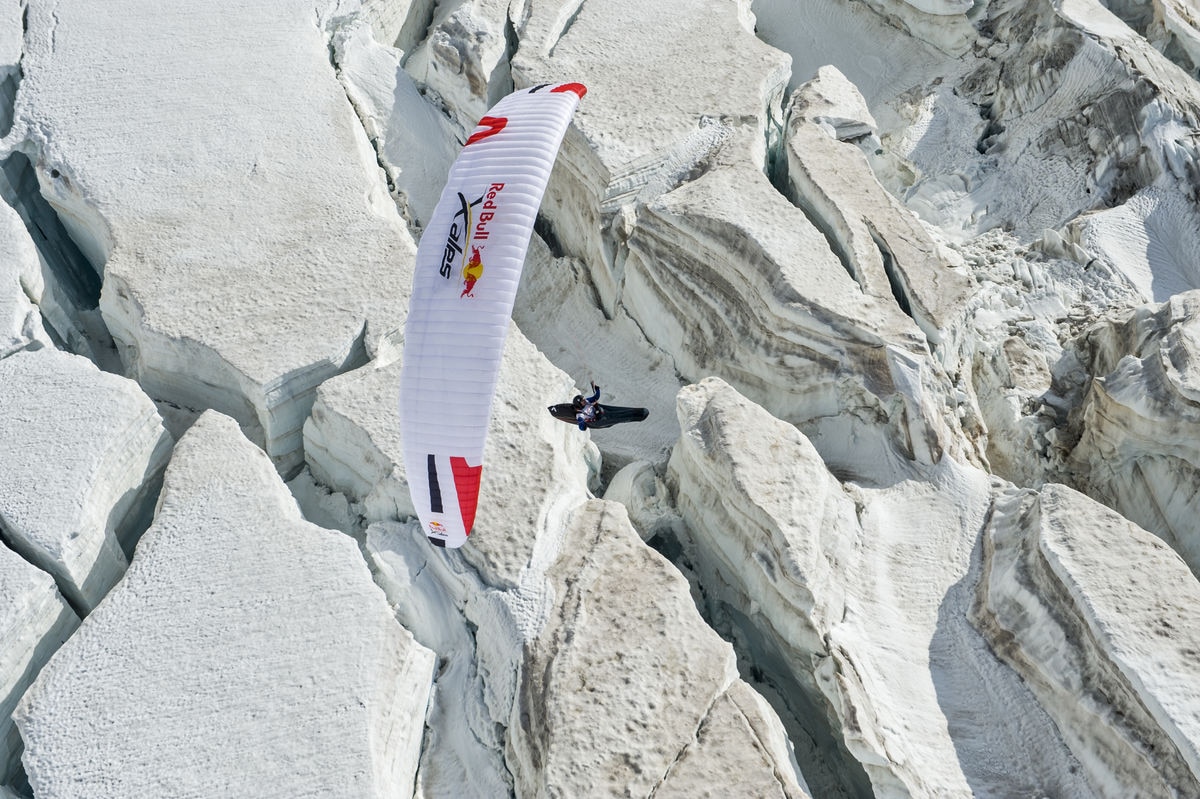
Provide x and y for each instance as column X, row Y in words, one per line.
column 469, row 228
column 471, row 272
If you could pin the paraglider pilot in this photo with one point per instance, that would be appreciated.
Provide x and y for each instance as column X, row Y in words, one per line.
column 586, row 409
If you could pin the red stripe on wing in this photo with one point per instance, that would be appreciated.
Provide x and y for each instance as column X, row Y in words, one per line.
column 490, row 127
column 578, row 88
column 466, row 484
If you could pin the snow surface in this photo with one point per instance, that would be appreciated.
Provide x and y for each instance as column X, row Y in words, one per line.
column 208, row 190
column 885, row 273
column 20, row 273
column 1137, row 451
column 881, row 243
column 11, row 35
column 416, row 144
column 265, row 661
column 1072, row 597
column 83, row 449
column 1152, row 240
column 34, row 622
column 587, row 724
column 863, row 583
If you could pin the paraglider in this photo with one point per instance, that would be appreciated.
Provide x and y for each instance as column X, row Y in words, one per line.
column 588, row 413
column 609, row 415
column 465, row 281
column 587, row 409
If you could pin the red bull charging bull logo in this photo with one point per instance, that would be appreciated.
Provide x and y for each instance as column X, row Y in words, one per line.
column 471, row 272
column 467, row 234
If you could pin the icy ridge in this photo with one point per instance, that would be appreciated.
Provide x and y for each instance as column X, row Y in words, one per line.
column 1078, row 638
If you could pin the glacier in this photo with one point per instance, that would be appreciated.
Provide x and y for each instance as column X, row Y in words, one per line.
column 909, row 288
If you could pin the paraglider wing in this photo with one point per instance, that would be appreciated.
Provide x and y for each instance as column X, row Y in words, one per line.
column 468, row 266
